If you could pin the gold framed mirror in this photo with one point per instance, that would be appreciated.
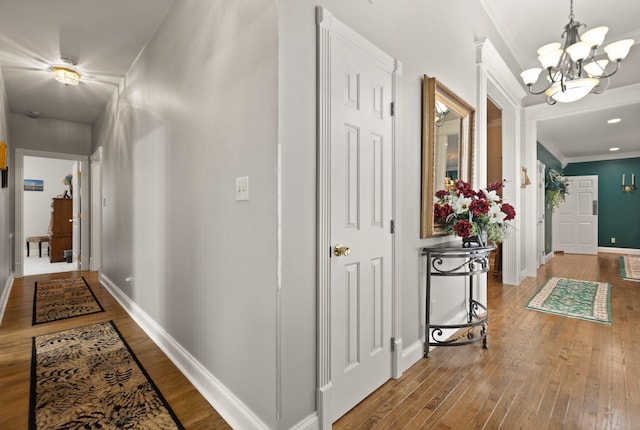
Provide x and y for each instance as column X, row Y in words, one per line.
column 447, row 147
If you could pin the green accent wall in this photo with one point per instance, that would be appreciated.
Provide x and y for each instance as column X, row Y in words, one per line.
column 550, row 162
column 619, row 213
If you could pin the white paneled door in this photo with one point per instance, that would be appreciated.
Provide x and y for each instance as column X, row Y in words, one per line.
column 576, row 220
column 361, row 208
column 76, row 183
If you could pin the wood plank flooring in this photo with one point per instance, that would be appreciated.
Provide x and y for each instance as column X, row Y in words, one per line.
column 541, row 371
column 193, row 411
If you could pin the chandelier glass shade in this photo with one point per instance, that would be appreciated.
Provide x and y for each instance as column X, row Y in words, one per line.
column 573, row 69
column 66, row 75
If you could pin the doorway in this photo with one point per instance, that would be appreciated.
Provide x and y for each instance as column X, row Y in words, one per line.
column 494, row 168
column 49, row 176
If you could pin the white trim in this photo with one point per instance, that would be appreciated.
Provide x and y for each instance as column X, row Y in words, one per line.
column 330, row 28
column 95, row 259
column 5, row 295
column 309, row 423
column 495, row 81
column 412, row 354
column 396, row 266
column 615, row 97
column 232, row 409
column 551, row 148
column 85, row 250
column 612, row 156
column 626, row 251
column 548, row 257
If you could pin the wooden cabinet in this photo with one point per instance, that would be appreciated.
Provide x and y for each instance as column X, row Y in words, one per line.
column 61, row 229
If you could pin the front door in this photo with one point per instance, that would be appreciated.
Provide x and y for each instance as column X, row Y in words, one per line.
column 576, row 220
column 361, row 207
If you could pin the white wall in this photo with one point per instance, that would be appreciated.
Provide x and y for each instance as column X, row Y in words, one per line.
column 37, row 204
column 428, row 37
column 200, row 108
column 197, row 110
column 51, row 135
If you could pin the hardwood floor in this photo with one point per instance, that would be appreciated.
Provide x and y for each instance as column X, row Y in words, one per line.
column 193, row 411
column 541, row 371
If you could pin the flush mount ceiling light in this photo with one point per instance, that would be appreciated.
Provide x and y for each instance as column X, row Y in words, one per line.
column 573, row 70
column 614, row 121
column 614, row 149
column 66, row 75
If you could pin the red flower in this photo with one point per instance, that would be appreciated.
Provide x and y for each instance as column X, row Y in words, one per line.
column 441, row 212
column 463, row 228
column 479, row 207
column 509, row 211
column 464, row 189
column 496, row 186
column 440, row 194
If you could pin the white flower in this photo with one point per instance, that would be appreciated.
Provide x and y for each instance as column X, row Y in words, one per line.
column 462, row 205
column 496, row 215
column 492, row 196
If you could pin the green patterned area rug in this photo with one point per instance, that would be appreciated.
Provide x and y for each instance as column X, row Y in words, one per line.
column 573, row 298
column 58, row 299
column 630, row 268
column 88, row 378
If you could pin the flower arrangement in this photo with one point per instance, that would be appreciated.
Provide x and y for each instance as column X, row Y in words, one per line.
column 468, row 213
column 557, row 187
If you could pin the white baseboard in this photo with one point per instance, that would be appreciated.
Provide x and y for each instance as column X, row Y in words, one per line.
column 310, row 423
column 232, row 409
column 412, row 354
column 548, row 257
column 626, row 251
column 5, row 295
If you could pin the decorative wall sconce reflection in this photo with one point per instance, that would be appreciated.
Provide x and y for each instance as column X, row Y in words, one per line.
column 629, row 188
column 441, row 111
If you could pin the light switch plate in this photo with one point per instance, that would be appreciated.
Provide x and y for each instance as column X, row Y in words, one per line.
column 242, row 188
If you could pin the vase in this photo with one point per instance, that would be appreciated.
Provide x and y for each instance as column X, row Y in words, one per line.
column 480, row 240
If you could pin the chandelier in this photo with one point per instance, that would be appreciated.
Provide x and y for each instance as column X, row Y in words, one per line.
column 573, row 70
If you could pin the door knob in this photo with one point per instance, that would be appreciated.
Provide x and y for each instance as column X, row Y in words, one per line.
column 340, row 250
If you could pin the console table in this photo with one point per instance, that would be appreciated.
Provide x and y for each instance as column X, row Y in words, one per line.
column 474, row 260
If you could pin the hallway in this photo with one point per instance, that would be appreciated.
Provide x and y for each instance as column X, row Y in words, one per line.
column 540, row 371
column 16, row 331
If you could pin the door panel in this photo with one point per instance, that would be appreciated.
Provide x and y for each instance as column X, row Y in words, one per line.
column 361, row 168
column 576, row 220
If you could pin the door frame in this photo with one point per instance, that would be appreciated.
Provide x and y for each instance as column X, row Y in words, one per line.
column 330, row 28
column 18, row 269
column 95, row 261
column 540, row 206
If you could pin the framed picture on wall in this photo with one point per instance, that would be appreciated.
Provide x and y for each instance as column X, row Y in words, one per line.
column 33, row 185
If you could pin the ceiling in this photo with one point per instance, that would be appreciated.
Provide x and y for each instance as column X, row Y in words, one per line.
column 106, row 37
column 527, row 25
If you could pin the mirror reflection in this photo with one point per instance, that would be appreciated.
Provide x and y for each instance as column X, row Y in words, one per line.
column 447, row 147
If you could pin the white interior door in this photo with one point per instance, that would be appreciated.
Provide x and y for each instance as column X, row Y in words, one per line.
column 541, row 204
column 361, row 208
column 76, row 183
column 576, row 220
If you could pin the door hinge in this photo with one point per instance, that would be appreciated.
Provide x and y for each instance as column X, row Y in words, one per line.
column 393, row 108
column 393, row 226
column 393, row 344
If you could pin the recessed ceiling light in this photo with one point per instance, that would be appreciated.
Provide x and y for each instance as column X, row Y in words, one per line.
column 614, row 149
column 614, row 120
